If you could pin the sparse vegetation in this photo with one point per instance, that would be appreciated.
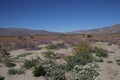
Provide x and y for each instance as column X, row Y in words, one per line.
column 79, row 59
column 51, row 55
column 30, row 63
column 51, row 46
column 57, row 62
column 118, row 61
column 2, row 78
column 85, row 73
column 8, row 62
column 98, row 60
column 23, row 54
column 39, row 71
column 101, row 52
column 82, row 47
column 15, row 71
column 109, row 62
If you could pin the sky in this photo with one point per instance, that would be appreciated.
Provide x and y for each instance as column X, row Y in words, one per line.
column 59, row 15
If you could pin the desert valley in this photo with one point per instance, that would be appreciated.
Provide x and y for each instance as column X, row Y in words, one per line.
column 61, row 56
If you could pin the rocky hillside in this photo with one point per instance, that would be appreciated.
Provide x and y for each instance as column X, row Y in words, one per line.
column 23, row 31
column 105, row 30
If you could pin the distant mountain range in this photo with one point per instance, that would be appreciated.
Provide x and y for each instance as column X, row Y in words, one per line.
column 105, row 30
column 24, row 31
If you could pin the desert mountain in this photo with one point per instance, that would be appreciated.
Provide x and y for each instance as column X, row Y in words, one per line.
column 23, row 31
column 105, row 30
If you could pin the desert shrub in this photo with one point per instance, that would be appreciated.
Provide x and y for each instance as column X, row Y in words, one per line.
column 85, row 73
column 82, row 47
column 30, row 63
column 109, row 62
column 8, row 62
column 98, row 60
column 12, row 71
column 101, row 52
column 30, row 46
column 51, row 46
column 118, row 61
column 20, row 37
column 39, row 71
column 15, row 71
column 51, row 55
column 3, row 53
column 79, row 59
column 2, row 78
column 109, row 44
column 23, row 54
column 89, row 35
column 49, row 66
column 60, row 46
column 58, row 74
column 31, row 37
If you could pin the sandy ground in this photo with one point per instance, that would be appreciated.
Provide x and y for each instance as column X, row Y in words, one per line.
column 108, row 71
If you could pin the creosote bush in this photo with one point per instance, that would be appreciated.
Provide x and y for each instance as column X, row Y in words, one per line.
column 3, row 53
column 2, row 78
column 30, row 63
column 23, row 54
column 101, row 52
column 39, row 71
column 98, row 60
column 51, row 55
column 15, row 71
column 81, row 58
column 8, row 62
column 118, row 61
column 51, row 46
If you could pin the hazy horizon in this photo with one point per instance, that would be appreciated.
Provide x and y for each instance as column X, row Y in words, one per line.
column 59, row 15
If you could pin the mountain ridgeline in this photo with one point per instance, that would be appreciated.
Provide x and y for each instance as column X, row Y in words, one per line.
column 105, row 30
column 24, row 31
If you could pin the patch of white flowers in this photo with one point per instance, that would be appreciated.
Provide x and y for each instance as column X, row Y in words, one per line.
column 89, row 72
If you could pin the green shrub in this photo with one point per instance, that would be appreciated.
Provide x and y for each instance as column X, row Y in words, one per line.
column 30, row 63
column 12, row 71
column 39, row 71
column 23, row 54
column 109, row 44
column 8, row 62
column 2, row 78
column 82, row 47
column 79, row 59
column 49, row 66
column 89, row 36
column 98, row 60
column 118, row 61
column 109, row 62
column 101, row 52
column 3, row 53
column 15, row 71
column 51, row 55
column 58, row 74
column 51, row 46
